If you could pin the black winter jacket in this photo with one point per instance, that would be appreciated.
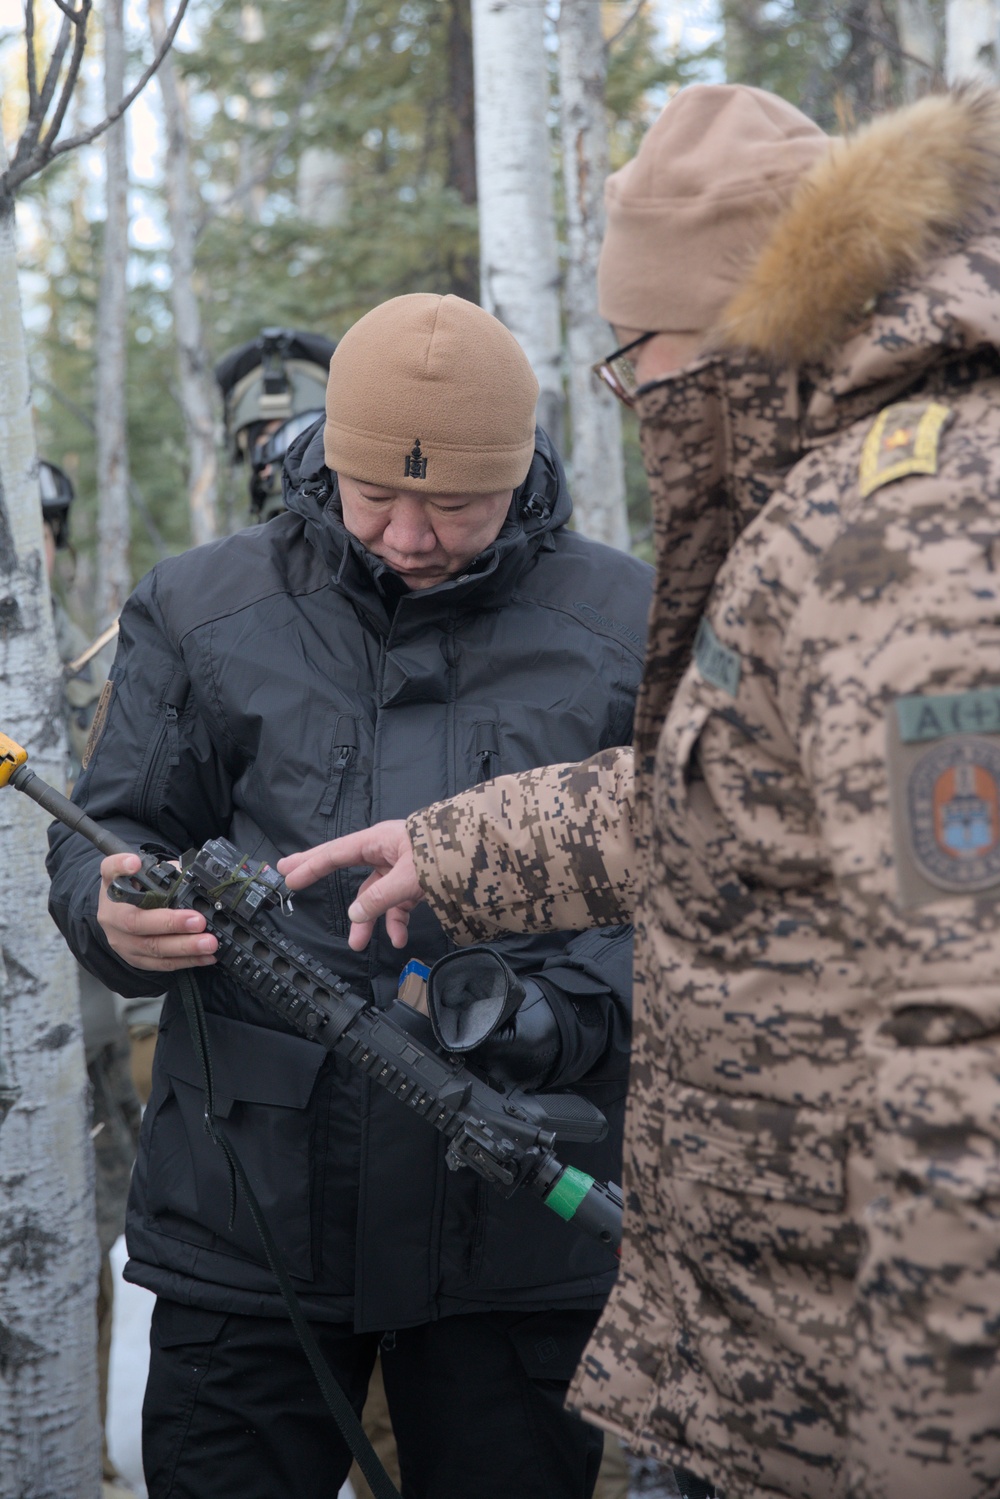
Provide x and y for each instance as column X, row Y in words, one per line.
column 281, row 687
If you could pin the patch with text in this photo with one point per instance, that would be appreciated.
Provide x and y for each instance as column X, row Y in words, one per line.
column 718, row 663
column 944, row 773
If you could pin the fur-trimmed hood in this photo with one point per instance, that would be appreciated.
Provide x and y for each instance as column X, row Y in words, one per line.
column 876, row 211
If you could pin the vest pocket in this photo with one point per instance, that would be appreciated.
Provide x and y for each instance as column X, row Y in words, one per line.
column 263, row 1081
column 756, row 1148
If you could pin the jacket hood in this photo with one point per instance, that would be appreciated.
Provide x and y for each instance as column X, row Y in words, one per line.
column 876, row 209
column 540, row 506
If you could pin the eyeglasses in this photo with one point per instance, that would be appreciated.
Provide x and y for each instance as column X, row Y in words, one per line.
column 618, row 370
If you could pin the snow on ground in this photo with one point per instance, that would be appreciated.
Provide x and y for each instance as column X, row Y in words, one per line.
column 127, row 1380
column 129, row 1364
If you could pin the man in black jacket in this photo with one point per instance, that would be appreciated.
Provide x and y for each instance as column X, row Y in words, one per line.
column 420, row 619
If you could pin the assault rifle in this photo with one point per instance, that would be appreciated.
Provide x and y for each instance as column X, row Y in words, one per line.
column 505, row 1135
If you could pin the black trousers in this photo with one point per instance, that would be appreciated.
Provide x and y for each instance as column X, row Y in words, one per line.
column 232, row 1408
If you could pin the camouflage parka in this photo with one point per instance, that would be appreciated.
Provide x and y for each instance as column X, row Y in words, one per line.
column 809, row 1297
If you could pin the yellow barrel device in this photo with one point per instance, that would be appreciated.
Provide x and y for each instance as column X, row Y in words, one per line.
column 12, row 757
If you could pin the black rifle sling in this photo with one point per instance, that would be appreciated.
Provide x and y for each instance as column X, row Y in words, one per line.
column 339, row 1406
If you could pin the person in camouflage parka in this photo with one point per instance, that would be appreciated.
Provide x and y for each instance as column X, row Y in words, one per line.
column 809, row 1297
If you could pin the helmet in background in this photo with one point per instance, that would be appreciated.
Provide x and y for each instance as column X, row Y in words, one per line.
column 279, row 375
column 267, row 454
column 57, row 496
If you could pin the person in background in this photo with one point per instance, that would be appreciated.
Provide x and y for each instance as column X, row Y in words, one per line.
column 273, row 387
column 115, row 1109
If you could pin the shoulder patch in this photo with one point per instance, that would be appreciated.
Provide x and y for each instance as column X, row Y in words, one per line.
column 903, row 439
column 97, row 727
column 718, row 663
column 944, row 773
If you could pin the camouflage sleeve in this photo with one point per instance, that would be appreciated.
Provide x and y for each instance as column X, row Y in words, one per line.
column 897, row 692
column 548, row 849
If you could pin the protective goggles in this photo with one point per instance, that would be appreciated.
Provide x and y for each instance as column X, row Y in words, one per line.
column 271, row 447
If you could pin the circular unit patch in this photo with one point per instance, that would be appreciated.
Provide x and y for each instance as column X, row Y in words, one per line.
column 953, row 806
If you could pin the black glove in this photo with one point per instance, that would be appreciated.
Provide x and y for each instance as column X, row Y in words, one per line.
column 479, row 1008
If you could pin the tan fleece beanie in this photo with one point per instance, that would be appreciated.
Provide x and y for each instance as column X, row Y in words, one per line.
column 687, row 215
column 429, row 392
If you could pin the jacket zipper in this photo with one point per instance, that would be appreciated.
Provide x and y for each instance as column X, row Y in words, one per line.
column 343, row 757
column 487, row 755
column 172, row 703
column 345, row 749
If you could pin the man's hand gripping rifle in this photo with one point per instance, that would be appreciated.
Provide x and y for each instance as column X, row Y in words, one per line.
column 506, row 1135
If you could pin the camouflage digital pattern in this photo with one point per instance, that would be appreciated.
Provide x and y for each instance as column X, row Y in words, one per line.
column 547, row 849
column 809, row 1298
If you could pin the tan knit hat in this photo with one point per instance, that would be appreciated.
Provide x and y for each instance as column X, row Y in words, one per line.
column 687, row 215
column 431, row 392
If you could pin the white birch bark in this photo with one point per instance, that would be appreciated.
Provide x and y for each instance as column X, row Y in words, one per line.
column 195, row 384
column 49, row 1436
column 113, row 574
column 972, row 40
column 519, row 264
column 597, row 464
column 920, row 39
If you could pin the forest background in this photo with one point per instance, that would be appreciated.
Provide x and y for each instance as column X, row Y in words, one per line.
column 292, row 162
column 332, row 165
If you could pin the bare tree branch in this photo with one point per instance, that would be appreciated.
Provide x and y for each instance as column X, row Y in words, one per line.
column 36, row 117
column 884, row 38
column 310, row 89
column 616, row 36
column 28, row 162
column 86, row 136
column 68, row 10
column 79, row 20
column 29, row 49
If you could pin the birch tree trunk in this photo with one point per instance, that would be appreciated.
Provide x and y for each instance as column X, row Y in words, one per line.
column 49, row 1436
column 923, row 44
column 597, row 467
column 461, row 125
column 518, row 261
column 195, row 383
column 113, row 573
column 972, row 33
column 741, row 26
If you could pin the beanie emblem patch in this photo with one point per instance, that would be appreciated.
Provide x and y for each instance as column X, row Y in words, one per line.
column 416, row 464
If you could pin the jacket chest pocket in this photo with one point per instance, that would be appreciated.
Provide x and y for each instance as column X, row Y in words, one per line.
column 486, row 752
column 756, row 1148
column 747, row 1183
column 694, row 882
column 263, row 1081
column 474, row 752
column 335, row 808
column 343, row 756
column 162, row 750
